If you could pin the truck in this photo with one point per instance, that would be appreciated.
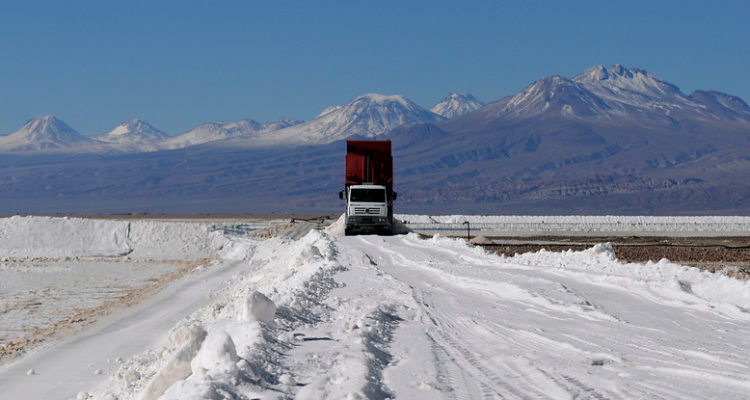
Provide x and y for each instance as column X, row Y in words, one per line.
column 368, row 187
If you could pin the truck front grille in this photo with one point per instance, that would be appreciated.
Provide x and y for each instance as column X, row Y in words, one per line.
column 366, row 211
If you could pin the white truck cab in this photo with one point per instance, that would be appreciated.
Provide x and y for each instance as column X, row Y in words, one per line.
column 367, row 209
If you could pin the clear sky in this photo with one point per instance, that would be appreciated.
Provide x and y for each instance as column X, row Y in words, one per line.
column 95, row 64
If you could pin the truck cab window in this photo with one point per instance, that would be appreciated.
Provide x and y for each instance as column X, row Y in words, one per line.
column 368, row 195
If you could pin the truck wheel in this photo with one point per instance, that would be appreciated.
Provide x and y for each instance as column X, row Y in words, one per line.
column 347, row 232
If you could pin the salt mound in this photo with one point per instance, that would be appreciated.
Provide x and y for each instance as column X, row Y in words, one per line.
column 338, row 227
column 217, row 352
column 178, row 367
column 605, row 249
column 480, row 239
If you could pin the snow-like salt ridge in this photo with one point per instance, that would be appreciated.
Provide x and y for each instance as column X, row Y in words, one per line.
column 700, row 288
column 62, row 237
column 170, row 240
column 52, row 237
column 232, row 342
column 607, row 224
column 573, row 219
column 227, row 350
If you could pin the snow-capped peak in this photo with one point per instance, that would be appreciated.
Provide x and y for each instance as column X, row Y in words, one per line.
column 632, row 86
column 556, row 94
column 379, row 102
column 621, row 93
column 280, row 123
column 329, row 110
column 615, row 72
column 40, row 133
column 47, row 126
column 382, row 99
column 603, row 93
column 456, row 105
column 369, row 115
column 214, row 131
column 133, row 130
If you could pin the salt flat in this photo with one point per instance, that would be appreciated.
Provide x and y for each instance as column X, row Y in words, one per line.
column 327, row 316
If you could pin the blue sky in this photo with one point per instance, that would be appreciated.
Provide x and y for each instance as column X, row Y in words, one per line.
column 177, row 64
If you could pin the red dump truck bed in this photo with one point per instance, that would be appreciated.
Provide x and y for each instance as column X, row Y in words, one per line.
column 369, row 161
column 369, row 187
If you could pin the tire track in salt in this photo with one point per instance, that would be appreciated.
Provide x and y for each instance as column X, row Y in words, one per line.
column 468, row 373
column 652, row 333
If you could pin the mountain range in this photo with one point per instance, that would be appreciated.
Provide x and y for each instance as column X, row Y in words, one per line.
column 612, row 140
column 608, row 140
column 366, row 116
